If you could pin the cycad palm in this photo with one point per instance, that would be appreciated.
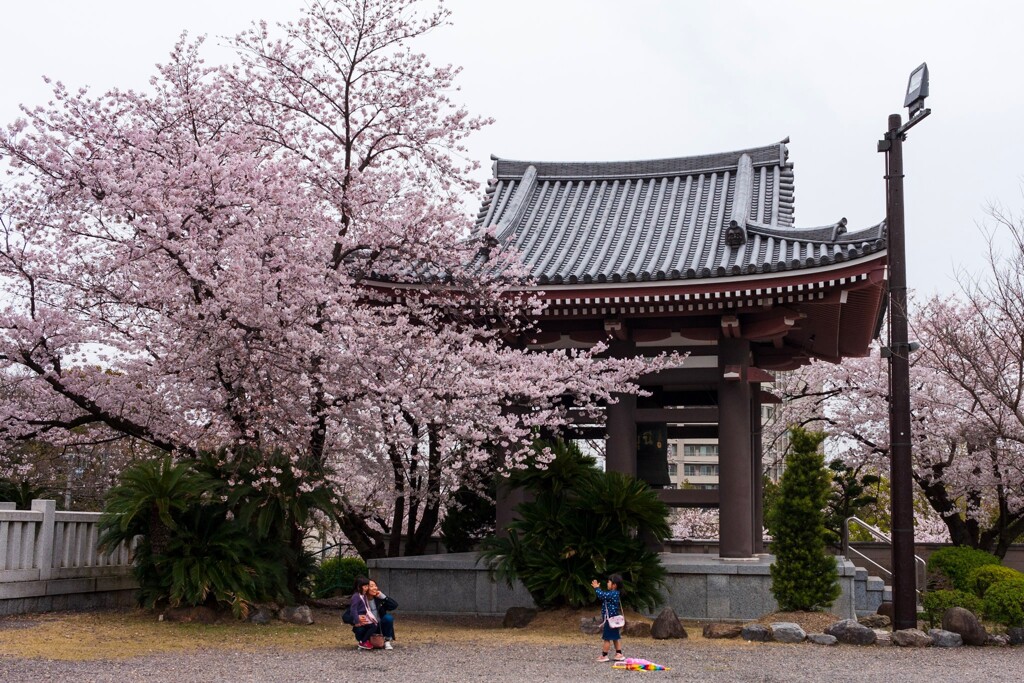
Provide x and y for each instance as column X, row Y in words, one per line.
column 147, row 499
column 580, row 524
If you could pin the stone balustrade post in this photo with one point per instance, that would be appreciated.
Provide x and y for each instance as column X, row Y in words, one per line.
column 44, row 538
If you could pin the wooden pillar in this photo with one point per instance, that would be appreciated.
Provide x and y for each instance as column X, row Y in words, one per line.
column 758, row 466
column 620, row 454
column 735, row 457
column 506, row 502
column 506, row 498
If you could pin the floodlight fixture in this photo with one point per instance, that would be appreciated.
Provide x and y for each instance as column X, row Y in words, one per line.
column 917, row 89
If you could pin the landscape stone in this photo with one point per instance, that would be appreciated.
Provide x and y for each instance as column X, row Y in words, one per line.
column 998, row 640
column 963, row 621
column 883, row 636
column 1016, row 635
column 758, row 633
column 942, row 638
column 849, row 632
column 637, row 628
column 300, row 615
column 886, row 609
column 261, row 615
column 822, row 639
column 911, row 637
column 518, row 617
column 666, row 625
column 717, row 630
column 787, row 632
column 591, row 625
column 875, row 621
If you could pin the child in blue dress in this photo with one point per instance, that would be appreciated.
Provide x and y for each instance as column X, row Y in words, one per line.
column 610, row 607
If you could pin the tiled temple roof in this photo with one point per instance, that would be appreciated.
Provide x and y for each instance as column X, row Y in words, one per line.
column 666, row 219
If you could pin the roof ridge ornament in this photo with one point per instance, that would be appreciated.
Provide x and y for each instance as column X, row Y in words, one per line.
column 736, row 235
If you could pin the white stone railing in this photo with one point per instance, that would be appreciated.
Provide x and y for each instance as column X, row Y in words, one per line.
column 49, row 557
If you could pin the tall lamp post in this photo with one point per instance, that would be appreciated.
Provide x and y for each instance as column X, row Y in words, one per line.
column 901, row 479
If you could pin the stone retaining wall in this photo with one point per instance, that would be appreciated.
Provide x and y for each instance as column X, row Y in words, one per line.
column 701, row 587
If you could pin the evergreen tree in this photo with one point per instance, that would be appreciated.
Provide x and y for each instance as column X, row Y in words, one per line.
column 804, row 576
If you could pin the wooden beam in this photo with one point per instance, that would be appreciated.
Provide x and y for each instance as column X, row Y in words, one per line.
column 680, row 377
column 689, row 498
column 703, row 415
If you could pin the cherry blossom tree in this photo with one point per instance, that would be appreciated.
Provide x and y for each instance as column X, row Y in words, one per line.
column 966, row 391
column 272, row 254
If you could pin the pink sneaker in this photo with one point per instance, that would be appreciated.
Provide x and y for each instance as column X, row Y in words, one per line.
column 365, row 645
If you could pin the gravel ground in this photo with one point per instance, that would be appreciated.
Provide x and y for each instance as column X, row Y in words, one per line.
column 708, row 662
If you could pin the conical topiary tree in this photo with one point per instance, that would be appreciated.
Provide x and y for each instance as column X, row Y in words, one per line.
column 804, row 575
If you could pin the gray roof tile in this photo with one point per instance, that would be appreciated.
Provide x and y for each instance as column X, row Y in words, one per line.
column 665, row 219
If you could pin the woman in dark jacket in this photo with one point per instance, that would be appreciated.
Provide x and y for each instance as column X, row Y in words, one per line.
column 368, row 614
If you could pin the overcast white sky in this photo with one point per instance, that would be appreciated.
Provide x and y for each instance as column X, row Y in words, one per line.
column 612, row 80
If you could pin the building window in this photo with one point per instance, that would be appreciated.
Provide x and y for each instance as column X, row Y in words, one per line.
column 700, row 470
column 673, row 469
column 708, row 450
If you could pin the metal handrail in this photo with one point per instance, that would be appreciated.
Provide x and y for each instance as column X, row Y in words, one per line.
column 880, row 536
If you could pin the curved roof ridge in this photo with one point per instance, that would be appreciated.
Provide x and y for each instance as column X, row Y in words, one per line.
column 773, row 154
column 833, row 233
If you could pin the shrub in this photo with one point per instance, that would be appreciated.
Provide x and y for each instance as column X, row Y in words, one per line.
column 192, row 548
column 982, row 578
column 337, row 575
column 949, row 568
column 582, row 524
column 22, row 493
column 1004, row 602
column 804, row 576
column 937, row 602
column 275, row 497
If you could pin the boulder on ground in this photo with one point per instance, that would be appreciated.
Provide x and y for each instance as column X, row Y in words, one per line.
column 848, row 631
column 875, row 621
column 911, row 637
column 998, row 640
column 963, row 621
column 886, row 609
column 942, row 638
column 637, row 628
column 758, row 633
column 787, row 632
column 591, row 625
column 1016, row 635
column 300, row 615
column 518, row 617
column 716, row 630
column 822, row 639
column 261, row 614
column 666, row 625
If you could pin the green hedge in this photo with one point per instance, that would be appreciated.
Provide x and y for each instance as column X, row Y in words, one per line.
column 982, row 578
column 950, row 568
column 337, row 576
column 1004, row 602
column 937, row 602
